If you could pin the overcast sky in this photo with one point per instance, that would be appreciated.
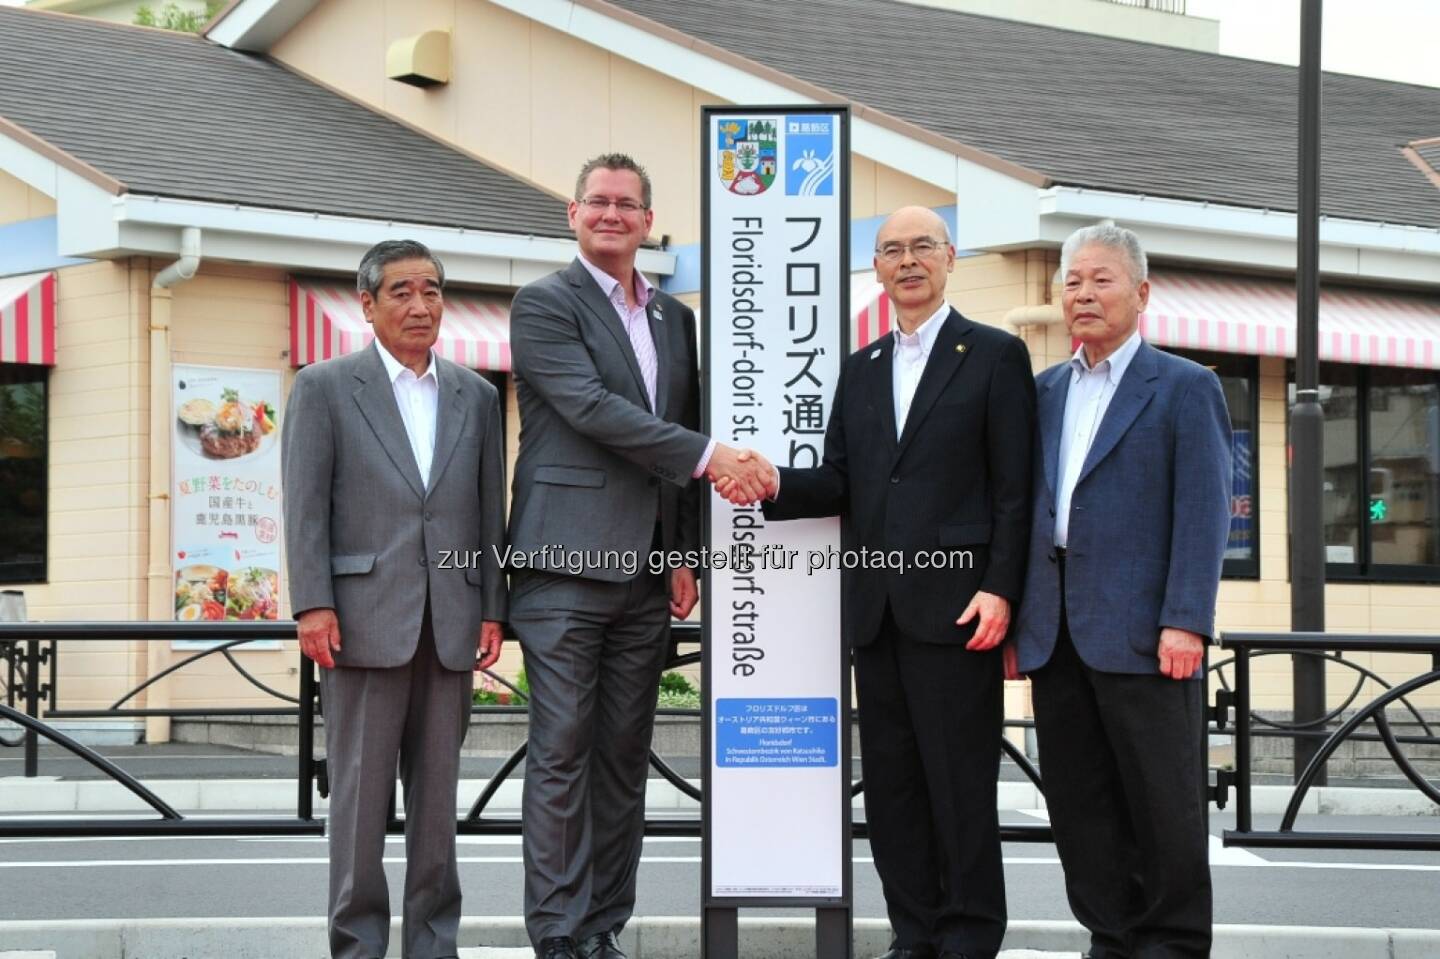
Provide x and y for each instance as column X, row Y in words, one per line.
column 1391, row 39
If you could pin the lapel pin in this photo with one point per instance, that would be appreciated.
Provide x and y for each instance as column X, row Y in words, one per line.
column 875, row 353
column 959, row 347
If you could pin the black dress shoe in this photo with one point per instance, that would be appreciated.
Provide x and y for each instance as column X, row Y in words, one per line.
column 557, row 947
column 900, row 952
column 602, row 945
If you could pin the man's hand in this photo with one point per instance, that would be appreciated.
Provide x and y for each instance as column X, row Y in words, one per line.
column 1180, row 652
column 994, row 613
column 743, row 477
column 683, row 592
column 492, row 637
column 319, row 633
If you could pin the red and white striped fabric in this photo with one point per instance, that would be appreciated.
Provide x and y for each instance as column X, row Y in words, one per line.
column 326, row 320
column 1257, row 317
column 873, row 318
column 27, row 319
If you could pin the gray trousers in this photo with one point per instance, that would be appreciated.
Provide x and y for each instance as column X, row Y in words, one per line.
column 594, row 652
column 416, row 715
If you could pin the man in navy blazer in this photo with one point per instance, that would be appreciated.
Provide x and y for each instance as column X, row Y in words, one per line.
column 1130, row 518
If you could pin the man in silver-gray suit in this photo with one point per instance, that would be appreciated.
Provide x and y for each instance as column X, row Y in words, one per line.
column 394, row 512
column 605, row 373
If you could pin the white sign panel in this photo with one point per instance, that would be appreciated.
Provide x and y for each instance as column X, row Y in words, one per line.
column 225, row 495
column 777, row 685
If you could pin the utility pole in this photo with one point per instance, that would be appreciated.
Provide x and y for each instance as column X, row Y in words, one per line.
column 1307, row 419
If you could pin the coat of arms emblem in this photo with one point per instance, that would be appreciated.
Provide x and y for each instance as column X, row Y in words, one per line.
column 747, row 158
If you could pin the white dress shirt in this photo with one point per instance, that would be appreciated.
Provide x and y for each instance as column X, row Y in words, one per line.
column 1091, row 391
column 911, row 352
column 417, row 398
column 637, row 326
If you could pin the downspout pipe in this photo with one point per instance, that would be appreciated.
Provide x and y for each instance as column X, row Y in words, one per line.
column 185, row 267
column 161, row 590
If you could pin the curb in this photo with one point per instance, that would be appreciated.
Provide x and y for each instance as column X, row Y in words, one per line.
column 42, row 796
column 656, row 937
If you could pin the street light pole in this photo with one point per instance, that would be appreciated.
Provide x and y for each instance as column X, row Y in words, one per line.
column 1307, row 419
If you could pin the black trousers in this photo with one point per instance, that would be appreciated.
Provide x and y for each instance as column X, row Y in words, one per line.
column 1120, row 761
column 930, row 723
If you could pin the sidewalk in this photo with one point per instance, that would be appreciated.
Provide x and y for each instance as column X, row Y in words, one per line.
column 657, row 937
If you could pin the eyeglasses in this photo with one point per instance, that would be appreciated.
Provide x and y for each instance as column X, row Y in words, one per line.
column 599, row 204
column 922, row 248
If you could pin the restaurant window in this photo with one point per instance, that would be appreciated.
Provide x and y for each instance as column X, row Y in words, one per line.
column 23, row 474
column 1239, row 378
column 1381, row 500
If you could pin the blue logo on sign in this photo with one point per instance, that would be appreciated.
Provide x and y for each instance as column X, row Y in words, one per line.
column 810, row 156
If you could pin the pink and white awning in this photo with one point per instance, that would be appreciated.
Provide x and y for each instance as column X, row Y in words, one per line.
column 27, row 319
column 326, row 320
column 873, row 314
column 1257, row 316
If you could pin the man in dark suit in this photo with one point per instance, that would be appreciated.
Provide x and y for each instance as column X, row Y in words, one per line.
column 605, row 372
column 1131, row 513
column 927, row 452
column 393, row 461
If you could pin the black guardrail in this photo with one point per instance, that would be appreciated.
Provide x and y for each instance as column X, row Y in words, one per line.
column 30, row 652
column 1346, row 722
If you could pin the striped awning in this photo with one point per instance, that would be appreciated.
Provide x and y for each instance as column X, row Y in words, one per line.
column 1257, row 317
column 326, row 320
column 27, row 319
column 874, row 314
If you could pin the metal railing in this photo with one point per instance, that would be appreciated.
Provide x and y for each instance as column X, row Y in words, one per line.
column 28, row 647
column 1249, row 725
column 33, row 645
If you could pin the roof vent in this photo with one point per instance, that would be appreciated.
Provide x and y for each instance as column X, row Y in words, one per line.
column 421, row 61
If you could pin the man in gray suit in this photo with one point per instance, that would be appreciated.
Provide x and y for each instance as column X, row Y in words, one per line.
column 394, row 507
column 1131, row 510
column 605, row 373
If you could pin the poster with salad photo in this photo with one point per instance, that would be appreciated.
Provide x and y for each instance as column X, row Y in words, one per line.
column 225, row 496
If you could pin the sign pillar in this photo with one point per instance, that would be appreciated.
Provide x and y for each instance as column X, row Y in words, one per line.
column 776, row 741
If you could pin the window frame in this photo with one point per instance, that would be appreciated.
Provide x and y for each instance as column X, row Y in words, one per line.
column 1363, row 570
column 14, row 574
column 1240, row 569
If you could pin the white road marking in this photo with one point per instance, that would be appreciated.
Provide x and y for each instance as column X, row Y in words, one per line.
column 1222, row 855
column 654, row 860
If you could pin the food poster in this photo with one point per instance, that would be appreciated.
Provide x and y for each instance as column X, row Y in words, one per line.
column 225, row 496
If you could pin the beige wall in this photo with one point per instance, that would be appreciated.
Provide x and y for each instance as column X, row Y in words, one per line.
column 524, row 97
column 100, row 461
column 877, row 190
column 19, row 201
column 99, row 436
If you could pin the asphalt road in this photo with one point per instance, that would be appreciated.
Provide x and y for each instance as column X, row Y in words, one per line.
column 164, row 877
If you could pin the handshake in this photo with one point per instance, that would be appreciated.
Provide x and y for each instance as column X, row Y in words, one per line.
column 743, row 477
